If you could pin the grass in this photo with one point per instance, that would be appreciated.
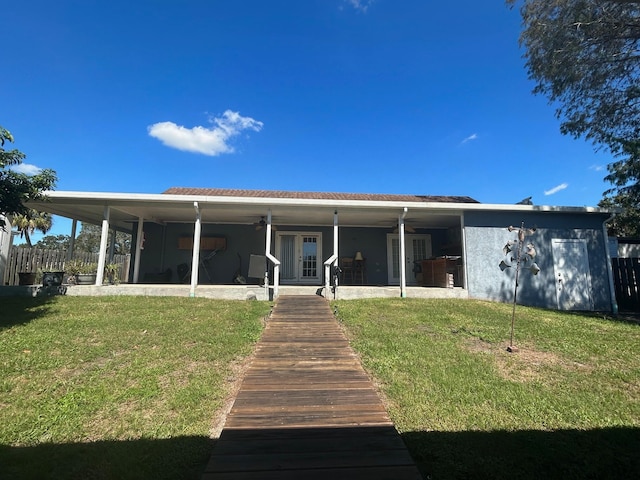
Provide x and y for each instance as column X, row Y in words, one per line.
column 129, row 387
column 119, row 387
column 567, row 405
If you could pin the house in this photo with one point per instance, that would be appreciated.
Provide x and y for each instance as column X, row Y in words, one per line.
column 398, row 245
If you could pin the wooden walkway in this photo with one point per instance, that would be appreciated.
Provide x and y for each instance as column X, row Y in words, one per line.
column 306, row 409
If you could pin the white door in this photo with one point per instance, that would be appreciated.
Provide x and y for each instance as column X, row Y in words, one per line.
column 300, row 256
column 417, row 247
column 572, row 277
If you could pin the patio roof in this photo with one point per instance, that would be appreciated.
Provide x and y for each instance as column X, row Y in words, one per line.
column 176, row 205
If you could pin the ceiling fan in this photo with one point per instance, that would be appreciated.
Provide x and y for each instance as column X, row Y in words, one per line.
column 262, row 224
column 407, row 228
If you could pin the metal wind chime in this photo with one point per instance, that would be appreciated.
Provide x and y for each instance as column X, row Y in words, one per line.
column 522, row 256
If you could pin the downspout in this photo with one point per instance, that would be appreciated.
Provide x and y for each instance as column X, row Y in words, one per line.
column 272, row 259
column 612, row 288
column 403, row 266
column 139, row 241
column 195, row 261
column 333, row 259
column 463, row 242
column 103, row 245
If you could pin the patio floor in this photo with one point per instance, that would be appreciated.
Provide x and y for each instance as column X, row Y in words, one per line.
column 233, row 292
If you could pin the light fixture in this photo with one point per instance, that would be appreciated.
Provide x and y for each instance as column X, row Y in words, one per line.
column 358, row 257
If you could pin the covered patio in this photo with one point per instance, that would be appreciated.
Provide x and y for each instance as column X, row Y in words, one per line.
column 241, row 243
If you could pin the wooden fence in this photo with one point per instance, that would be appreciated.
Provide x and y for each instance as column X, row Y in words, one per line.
column 38, row 260
column 626, row 278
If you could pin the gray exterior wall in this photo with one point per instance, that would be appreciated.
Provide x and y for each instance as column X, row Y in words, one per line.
column 486, row 233
column 161, row 249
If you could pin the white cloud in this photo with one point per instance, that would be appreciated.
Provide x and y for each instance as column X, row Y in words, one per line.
column 597, row 168
column 556, row 189
column 211, row 141
column 360, row 5
column 26, row 168
column 470, row 138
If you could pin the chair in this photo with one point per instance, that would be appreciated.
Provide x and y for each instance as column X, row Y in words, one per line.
column 346, row 268
column 359, row 268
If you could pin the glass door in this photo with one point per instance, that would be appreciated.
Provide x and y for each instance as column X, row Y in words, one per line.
column 417, row 247
column 300, row 255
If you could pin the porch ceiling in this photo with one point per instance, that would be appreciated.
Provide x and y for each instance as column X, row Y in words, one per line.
column 125, row 209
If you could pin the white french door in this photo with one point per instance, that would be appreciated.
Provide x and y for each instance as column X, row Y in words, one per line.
column 417, row 247
column 300, row 254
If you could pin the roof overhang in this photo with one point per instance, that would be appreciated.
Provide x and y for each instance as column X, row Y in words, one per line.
column 127, row 208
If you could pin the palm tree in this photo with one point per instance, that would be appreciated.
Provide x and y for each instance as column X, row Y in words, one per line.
column 31, row 221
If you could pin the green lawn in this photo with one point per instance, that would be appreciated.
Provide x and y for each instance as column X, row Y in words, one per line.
column 567, row 405
column 120, row 387
column 129, row 387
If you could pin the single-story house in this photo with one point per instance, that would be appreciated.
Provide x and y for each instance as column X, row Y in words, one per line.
column 397, row 243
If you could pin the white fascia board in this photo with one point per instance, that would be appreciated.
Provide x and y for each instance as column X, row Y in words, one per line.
column 188, row 200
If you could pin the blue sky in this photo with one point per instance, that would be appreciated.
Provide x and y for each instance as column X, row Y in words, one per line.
column 380, row 96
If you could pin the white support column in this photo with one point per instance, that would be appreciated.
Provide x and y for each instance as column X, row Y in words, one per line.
column 272, row 259
column 72, row 239
column 139, row 242
column 195, row 261
column 333, row 259
column 403, row 260
column 103, row 245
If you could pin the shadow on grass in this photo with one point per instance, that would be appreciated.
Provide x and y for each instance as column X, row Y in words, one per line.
column 562, row 454
column 173, row 458
column 18, row 310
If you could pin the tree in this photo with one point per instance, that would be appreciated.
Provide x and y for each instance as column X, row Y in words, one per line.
column 54, row 242
column 626, row 223
column 89, row 240
column 584, row 56
column 17, row 188
column 31, row 221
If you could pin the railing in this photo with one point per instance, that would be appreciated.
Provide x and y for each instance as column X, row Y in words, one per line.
column 40, row 260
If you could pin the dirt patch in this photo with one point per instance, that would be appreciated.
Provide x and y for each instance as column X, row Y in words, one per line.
column 526, row 365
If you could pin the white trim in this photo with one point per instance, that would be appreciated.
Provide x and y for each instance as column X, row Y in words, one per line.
column 129, row 198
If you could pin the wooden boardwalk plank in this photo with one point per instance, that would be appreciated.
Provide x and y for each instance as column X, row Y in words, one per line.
column 306, row 408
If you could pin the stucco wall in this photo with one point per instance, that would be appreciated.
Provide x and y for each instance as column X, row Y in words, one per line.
column 161, row 252
column 486, row 234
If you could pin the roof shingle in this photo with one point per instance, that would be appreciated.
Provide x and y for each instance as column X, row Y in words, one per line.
column 372, row 197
